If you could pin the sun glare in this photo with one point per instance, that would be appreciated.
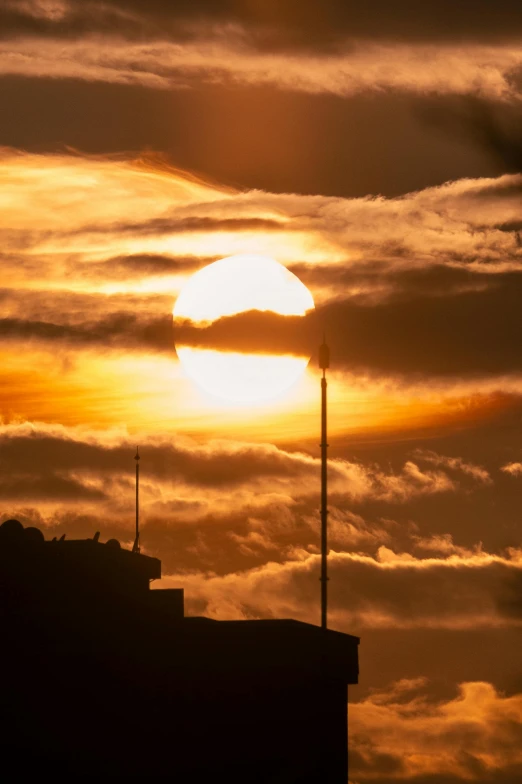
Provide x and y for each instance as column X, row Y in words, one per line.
column 225, row 288
column 241, row 283
column 241, row 378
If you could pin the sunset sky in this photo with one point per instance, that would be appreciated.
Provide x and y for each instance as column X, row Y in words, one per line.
column 375, row 150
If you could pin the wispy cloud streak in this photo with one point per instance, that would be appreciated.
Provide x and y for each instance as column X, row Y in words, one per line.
column 229, row 57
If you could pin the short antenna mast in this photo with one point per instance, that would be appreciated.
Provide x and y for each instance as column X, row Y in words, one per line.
column 136, row 546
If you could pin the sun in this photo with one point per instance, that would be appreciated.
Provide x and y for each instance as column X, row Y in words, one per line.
column 227, row 287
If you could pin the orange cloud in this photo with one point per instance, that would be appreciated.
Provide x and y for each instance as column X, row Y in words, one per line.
column 399, row 733
column 95, row 261
column 227, row 473
column 391, row 590
column 227, row 55
column 514, row 469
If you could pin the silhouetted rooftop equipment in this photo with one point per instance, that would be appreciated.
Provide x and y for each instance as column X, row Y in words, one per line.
column 261, row 698
column 75, row 566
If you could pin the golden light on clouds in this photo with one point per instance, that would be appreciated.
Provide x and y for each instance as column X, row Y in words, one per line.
column 171, row 297
column 235, row 285
column 96, row 249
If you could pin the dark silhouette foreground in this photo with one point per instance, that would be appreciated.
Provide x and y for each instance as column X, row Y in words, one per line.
column 103, row 678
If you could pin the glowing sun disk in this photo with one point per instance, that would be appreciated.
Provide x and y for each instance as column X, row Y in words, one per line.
column 241, row 283
column 227, row 287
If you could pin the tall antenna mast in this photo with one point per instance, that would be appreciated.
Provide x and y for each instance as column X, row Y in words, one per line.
column 324, row 363
column 136, row 546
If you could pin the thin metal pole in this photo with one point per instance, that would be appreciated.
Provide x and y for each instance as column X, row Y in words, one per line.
column 324, row 363
column 136, row 547
column 324, row 510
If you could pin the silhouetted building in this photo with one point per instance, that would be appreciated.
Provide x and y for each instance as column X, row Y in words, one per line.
column 104, row 679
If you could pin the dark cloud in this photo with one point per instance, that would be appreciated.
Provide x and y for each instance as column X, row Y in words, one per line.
column 365, row 591
column 472, row 734
column 384, row 764
column 511, row 226
column 424, row 594
column 252, row 331
column 276, row 26
column 48, row 485
column 245, row 502
column 418, row 333
column 379, row 766
column 371, row 282
column 223, row 466
column 490, row 513
column 118, row 331
column 160, row 226
column 510, row 603
column 260, row 137
column 75, row 308
column 73, row 19
column 477, row 332
column 142, row 264
column 418, row 654
column 507, row 775
column 389, row 591
column 494, row 127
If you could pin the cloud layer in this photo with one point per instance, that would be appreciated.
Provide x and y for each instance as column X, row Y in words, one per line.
column 400, row 734
column 256, row 505
column 227, row 56
column 374, row 149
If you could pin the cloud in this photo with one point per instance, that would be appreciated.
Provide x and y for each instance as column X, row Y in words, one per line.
column 227, row 56
column 291, row 27
column 416, row 336
column 401, row 734
column 514, row 469
column 375, row 281
column 339, row 50
column 443, row 544
column 119, row 330
column 492, row 126
column 98, row 260
column 247, row 502
column 162, row 226
column 216, row 464
column 251, row 332
column 120, row 206
column 66, row 18
column 455, row 464
column 391, row 590
column 237, row 524
column 397, row 335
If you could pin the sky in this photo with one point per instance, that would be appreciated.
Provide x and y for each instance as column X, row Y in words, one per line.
column 375, row 150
